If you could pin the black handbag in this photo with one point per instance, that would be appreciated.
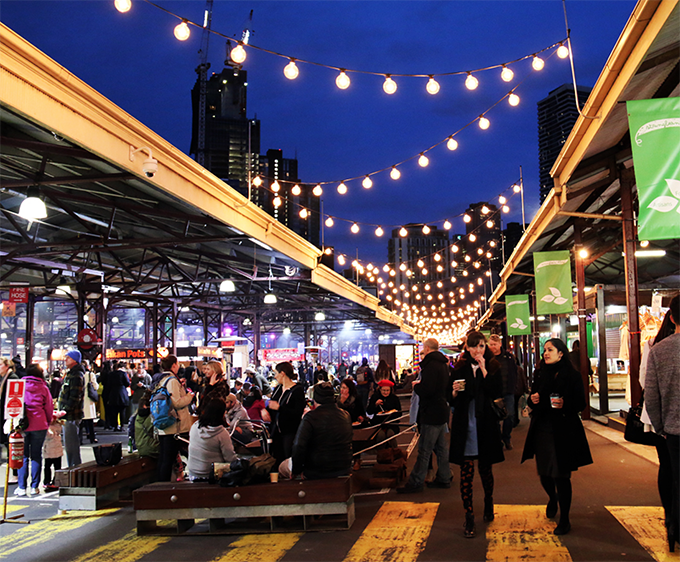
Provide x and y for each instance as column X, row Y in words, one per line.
column 92, row 393
column 499, row 409
column 108, row 455
column 635, row 429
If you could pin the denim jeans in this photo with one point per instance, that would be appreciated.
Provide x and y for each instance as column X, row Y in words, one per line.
column 33, row 444
column 432, row 438
column 508, row 422
column 72, row 443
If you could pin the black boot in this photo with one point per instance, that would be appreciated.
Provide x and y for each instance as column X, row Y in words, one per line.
column 551, row 508
column 469, row 531
column 488, row 509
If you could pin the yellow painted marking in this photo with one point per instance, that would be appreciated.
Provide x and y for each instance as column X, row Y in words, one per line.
column 646, row 524
column 128, row 549
column 260, row 548
column 48, row 530
column 11, row 508
column 522, row 532
column 397, row 533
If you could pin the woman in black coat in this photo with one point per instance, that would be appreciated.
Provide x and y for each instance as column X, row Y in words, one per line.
column 117, row 382
column 475, row 431
column 286, row 408
column 556, row 436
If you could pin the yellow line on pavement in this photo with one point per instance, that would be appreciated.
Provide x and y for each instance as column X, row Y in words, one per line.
column 397, row 533
column 47, row 530
column 12, row 507
column 128, row 549
column 646, row 525
column 260, row 548
column 522, row 532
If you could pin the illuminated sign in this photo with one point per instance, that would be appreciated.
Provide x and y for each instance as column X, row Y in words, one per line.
column 283, row 354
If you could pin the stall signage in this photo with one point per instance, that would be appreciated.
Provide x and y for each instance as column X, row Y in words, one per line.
column 517, row 313
column 282, row 354
column 18, row 294
column 215, row 352
column 553, row 282
column 128, row 354
column 14, row 398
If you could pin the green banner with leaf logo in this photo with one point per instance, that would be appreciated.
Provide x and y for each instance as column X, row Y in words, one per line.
column 517, row 313
column 553, row 282
column 655, row 138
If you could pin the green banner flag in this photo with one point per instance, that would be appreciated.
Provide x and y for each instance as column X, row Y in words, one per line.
column 553, row 282
column 655, row 138
column 517, row 313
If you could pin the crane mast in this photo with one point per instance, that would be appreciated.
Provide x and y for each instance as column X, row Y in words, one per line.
column 202, row 71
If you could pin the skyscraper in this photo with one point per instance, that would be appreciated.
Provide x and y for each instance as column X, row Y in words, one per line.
column 557, row 115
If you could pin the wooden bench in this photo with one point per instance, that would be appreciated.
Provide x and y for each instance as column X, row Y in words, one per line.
column 201, row 508
column 88, row 486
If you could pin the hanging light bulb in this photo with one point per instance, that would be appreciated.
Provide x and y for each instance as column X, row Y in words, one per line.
column 489, row 224
column 123, row 5
column 317, row 191
column 296, row 190
column 485, row 210
column 537, row 63
column 291, row 70
column 257, row 181
column 389, row 85
column 402, row 266
column 506, row 209
column 420, row 263
column 507, row 74
column 447, row 225
column 480, row 251
column 277, row 201
column 341, row 259
column 354, row 228
column 342, row 188
column 437, row 257
column 472, row 237
column 426, row 229
column 517, row 188
column 238, row 54
column 403, row 232
column 502, row 200
column 432, row 86
column 455, row 248
column 513, row 100
column 394, row 173
column 304, row 213
column 452, row 144
column 483, row 123
column 182, row 31
column 276, row 187
column 342, row 81
column 423, row 161
column 471, row 82
column 329, row 222
column 367, row 183
column 562, row 52
column 467, row 218
column 32, row 208
column 379, row 231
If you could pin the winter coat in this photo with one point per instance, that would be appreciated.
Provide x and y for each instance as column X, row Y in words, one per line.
column 391, row 402
column 237, row 413
column 181, row 400
column 484, row 390
column 207, row 445
column 53, row 447
column 353, row 407
column 37, row 404
column 145, row 438
column 432, row 389
column 323, row 443
column 118, row 383
column 72, row 393
column 571, row 444
column 662, row 393
column 90, row 406
column 291, row 406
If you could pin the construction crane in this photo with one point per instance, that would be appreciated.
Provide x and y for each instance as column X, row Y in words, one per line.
column 202, row 71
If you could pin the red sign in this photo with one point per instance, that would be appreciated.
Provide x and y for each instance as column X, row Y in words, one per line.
column 87, row 338
column 14, row 402
column 279, row 355
column 20, row 341
column 18, row 294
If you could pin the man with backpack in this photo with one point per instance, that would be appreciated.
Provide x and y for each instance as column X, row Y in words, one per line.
column 364, row 380
column 170, row 415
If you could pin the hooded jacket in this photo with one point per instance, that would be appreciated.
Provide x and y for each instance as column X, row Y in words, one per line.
column 37, row 404
column 432, row 388
column 207, row 445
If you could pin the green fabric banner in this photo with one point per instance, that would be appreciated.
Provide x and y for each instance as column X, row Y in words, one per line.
column 553, row 282
column 655, row 138
column 517, row 312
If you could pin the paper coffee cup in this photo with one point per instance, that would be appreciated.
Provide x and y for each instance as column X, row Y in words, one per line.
column 461, row 384
column 273, row 476
column 553, row 399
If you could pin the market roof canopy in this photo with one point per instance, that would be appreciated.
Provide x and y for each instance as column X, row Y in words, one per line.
column 173, row 237
column 643, row 65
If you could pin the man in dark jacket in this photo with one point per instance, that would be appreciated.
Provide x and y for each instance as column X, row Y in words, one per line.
column 433, row 417
column 71, row 405
column 323, row 443
column 509, row 375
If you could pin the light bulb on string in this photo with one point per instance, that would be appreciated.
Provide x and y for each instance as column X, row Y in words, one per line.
column 402, row 267
column 367, row 183
column 342, row 188
column 329, row 222
column 426, row 230
column 507, row 74
column 516, row 188
column 484, row 123
column 395, row 174
column 257, row 181
column 480, row 251
column 389, row 85
column 342, row 81
column 276, row 187
column 317, row 191
column 455, row 249
column 432, row 86
column 420, row 263
column 447, row 225
column 304, row 213
column 488, row 255
column 537, row 63
column 423, row 161
column 502, row 200
column 182, row 31
column 471, row 82
column 472, row 237
column 341, row 259
column 562, row 52
column 354, row 228
column 277, row 201
column 238, row 54
column 513, row 100
column 403, row 232
column 452, row 144
column 467, row 218
column 291, row 70
column 485, row 210
column 379, row 231
column 123, row 5
column 296, row 190
column 505, row 209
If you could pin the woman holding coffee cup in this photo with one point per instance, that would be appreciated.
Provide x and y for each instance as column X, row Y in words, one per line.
column 556, row 436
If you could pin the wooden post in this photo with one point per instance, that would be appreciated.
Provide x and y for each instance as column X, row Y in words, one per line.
column 584, row 365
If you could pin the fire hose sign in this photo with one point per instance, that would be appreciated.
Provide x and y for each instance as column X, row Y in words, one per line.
column 14, row 401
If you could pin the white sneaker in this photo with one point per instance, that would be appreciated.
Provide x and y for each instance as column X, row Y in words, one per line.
column 35, row 491
column 20, row 492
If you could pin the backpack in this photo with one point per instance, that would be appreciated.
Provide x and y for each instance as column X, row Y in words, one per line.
column 163, row 413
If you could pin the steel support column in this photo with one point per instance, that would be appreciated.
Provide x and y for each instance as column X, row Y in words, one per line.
column 584, row 365
column 256, row 339
column 602, row 346
column 28, row 339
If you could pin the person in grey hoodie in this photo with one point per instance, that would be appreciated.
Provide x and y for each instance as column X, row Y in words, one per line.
column 209, row 441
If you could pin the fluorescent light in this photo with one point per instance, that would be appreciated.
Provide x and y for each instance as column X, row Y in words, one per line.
column 650, row 253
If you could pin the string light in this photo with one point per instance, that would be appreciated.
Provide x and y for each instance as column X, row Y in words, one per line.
column 238, row 54
column 432, row 86
column 403, row 232
column 455, row 249
column 513, row 100
column 275, row 186
column 489, row 224
column 472, row 238
column 452, row 144
column 317, row 191
column 426, row 230
column 471, row 82
column 507, row 74
column 341, row 259
column 467, row 218
column 342, row 81
column 354, row 228
column 182, row 31
column 379, row 231
column 505, row 209
column 394, row 173
column 537, row 63
column 447, row 225
column 562, row 52
column 483, row 123
column 257, row 181
column 423, row 161
column 296, row 190
column 291, row 70
column 329, row 222
column 342, row 188
column 502, row 200
column 123, row 5
column 304, row 213
column 516, row 188
column 389, row 85
column 485, row 210
column 277, row 201
column 367, row 183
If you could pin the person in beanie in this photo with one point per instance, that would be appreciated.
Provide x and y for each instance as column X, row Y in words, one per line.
column 323, row 442
column 71, row 405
